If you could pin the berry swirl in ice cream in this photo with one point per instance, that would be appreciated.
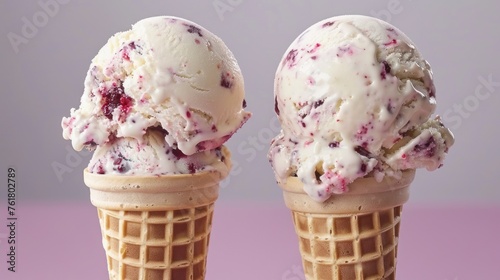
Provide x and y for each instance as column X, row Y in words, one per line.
column 165, row 76
column 166, row 72
column 355, row 98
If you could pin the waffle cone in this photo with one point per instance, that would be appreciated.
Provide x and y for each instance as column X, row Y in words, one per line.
column 155, row 227
column 352, row 236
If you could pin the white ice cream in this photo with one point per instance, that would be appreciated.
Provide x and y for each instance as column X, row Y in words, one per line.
column 151, row 155
column 354, row 97
column 165, row 72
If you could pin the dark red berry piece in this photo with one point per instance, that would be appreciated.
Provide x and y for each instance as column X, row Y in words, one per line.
column 178, row 154
column 326, row 24
column 191, row 168
column 193, row 29
column 290, row 58
column 112, row 138
column 112, row 99
column 315, row 48
column 363, row 130
column 90, row 143
column 333, row 144
column 385, row 70
column 429, row 146
column 126, row 50
column 391, row 42
column 125, row 55
column 389, row 107
column 276, row 109
column 318, row 103
column 363, row 167
column 387, row 67
column 120, row 165
column 225, row 80
column 100, row 170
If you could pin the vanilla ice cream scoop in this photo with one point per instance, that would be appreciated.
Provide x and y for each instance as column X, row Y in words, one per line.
column 151, row 155
column 354, row 96
column 165, row 72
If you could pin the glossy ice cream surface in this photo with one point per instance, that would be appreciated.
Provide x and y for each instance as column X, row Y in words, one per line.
column 355, row 98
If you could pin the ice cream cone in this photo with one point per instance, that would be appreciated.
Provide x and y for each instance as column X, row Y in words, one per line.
column 350, row 236
column 155, row 227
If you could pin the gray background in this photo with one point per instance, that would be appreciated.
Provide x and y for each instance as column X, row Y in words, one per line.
column 43, row 79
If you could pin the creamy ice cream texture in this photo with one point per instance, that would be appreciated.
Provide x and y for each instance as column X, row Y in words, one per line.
column 152, row 155
column 160, row 98
column 355, row 98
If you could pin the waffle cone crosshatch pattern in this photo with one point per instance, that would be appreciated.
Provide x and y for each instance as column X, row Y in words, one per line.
column 352, row 236
column 155, row 227
column 157, row 244
column 344, row 247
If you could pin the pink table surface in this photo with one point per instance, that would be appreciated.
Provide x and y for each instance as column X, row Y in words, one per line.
column 256, row 241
